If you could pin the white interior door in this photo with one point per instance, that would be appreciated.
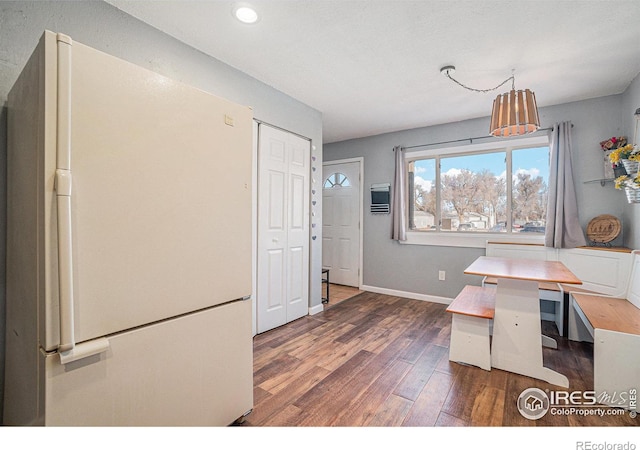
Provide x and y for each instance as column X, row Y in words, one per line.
column 283, row 227
column 341, row 199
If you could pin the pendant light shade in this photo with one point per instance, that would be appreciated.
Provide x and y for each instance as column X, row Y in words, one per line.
column 514, row 113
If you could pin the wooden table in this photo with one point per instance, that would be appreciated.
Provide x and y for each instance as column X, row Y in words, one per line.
column 517, row 335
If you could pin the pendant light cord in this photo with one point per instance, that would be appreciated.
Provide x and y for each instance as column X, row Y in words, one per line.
column 445, row 71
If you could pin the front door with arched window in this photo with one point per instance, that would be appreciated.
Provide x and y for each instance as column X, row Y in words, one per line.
column 341, row 199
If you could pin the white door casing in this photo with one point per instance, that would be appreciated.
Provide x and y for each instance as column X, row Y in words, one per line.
column 282, row 293
column 342, row 211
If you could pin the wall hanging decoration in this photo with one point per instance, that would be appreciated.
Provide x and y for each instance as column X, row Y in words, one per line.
column 627, row 155
column 603, row 229
column 631, row 187
column 633, row 195
column 608, row 146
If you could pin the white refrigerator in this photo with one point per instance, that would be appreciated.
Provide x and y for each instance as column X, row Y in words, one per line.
column 128, row 246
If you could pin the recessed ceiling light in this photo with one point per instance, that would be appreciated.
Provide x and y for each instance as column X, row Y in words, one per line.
column 245, row 14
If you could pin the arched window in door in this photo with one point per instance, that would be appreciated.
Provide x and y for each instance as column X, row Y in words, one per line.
column 336, row 179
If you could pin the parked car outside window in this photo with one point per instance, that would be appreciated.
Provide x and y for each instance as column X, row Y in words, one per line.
column 532, row 229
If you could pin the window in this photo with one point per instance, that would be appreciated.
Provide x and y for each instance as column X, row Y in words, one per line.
column 336, row 180
column 490, row 189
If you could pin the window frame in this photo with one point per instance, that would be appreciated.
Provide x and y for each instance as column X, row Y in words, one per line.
column 474, row 239
column 336, row 184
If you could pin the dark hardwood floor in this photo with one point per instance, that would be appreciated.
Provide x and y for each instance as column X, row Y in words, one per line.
column 378, row 360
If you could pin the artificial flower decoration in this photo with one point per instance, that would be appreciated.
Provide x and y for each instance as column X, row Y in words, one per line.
column 625, row 181
column 614, row 142
column 625, row 152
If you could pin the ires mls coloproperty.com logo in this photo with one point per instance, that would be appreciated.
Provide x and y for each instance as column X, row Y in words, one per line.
column 534, row 403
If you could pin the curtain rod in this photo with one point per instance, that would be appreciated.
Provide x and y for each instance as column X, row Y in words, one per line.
column 467, row 139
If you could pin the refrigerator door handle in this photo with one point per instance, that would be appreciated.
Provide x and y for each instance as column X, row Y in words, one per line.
column 65, row 268
column 85, row 350
column 63, row 194
column 68, row 349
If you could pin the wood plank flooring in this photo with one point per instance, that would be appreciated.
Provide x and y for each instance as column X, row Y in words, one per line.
column 378, row 360
column 339, row 293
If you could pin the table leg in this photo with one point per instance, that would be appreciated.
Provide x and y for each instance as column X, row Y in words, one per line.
column 517, row 343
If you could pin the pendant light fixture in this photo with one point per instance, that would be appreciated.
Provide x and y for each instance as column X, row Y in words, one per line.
column 514, row 112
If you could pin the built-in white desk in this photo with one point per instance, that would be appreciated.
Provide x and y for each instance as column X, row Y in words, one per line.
column 517, row 335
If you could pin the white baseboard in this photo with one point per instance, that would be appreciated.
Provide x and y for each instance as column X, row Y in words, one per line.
column 405, row 294
column 316, row 309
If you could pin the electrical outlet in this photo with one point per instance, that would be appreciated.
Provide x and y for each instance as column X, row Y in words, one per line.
column 441, row 275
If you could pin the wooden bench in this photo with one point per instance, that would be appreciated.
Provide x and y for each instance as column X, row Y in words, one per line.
column 472, row 314
column 613, row 325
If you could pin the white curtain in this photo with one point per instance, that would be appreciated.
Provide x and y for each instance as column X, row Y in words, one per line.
column 399, row 198
column 563, row 228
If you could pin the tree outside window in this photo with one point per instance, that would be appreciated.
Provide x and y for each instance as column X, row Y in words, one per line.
column 468, row 192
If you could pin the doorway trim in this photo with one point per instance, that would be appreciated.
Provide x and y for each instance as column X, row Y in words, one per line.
column 360, row 161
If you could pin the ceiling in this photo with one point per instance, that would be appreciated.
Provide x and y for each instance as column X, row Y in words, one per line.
column 373, row 66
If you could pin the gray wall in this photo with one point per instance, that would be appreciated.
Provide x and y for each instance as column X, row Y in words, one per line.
column 414, row 268
column 106, row 28
column 631, row 102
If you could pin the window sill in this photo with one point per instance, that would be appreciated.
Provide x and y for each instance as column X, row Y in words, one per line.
column 470, row 240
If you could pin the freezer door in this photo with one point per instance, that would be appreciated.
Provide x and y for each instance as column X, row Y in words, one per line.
column 195, row 370
column 160, row 198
